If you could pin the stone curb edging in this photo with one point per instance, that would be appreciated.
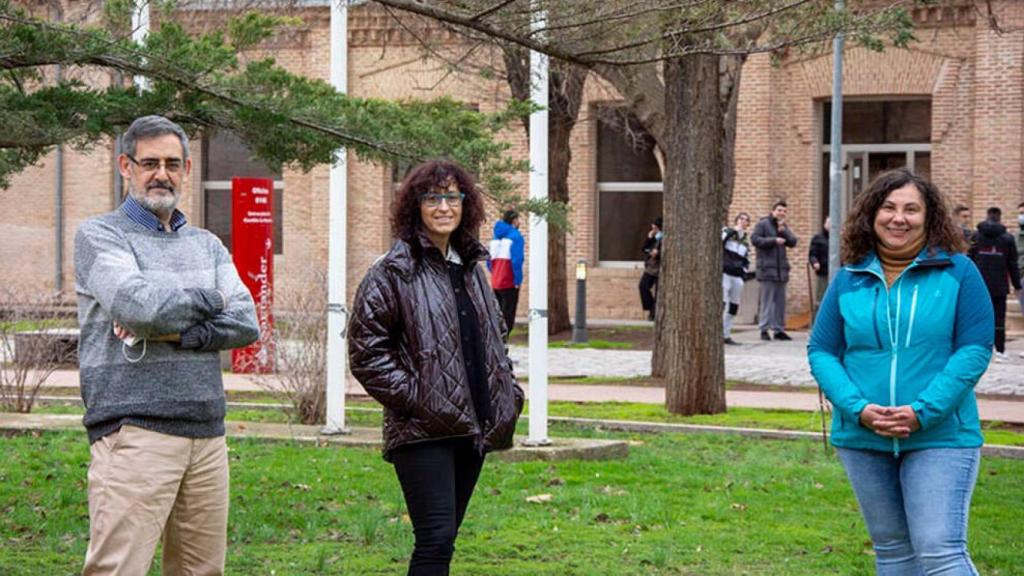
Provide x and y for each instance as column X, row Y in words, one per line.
column 559, row 449
column 310, row 434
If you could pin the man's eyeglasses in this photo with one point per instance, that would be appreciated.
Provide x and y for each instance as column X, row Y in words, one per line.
column 433, row 199
column 171, row 165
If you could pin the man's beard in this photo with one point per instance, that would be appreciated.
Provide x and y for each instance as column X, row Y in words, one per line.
column 163, row 204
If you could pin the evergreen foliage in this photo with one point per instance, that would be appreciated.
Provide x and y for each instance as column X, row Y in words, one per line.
column 200, row 82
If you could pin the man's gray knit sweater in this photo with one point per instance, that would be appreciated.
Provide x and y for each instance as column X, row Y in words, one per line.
column 156, row 283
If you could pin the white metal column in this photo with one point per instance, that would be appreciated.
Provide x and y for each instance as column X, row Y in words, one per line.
column 539, row 248
column 337, row 268
column 836, row 154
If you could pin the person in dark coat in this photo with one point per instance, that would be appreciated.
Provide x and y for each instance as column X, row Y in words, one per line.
column 771, row 238
column 817, row 256
column 994, row 251
column 652, row 266
column 426, row 341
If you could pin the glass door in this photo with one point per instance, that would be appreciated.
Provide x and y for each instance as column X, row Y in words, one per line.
column 856, row 178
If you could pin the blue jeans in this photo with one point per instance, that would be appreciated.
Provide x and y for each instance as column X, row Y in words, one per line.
column 915, row 507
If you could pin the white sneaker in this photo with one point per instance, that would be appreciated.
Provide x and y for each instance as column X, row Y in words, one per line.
column 1000, row 357
column 1022, row 354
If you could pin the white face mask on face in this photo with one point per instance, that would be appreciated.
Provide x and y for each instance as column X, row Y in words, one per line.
column 1020, row 220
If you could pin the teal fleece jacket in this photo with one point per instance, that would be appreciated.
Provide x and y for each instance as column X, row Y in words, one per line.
column 924, row 342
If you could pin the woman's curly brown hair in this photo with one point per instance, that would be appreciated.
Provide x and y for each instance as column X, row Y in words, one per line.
column 859, row 231
column 424, row 178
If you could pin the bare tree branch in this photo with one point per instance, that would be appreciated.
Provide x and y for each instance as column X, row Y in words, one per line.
column 469, row 22
column 625, row 15
column 492, row 10
column 701, row 29
column 623, row 52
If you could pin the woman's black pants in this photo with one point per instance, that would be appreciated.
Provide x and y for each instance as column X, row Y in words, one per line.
column 437, row 480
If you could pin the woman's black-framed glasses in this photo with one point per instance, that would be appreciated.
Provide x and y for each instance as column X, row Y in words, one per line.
column 433, row 199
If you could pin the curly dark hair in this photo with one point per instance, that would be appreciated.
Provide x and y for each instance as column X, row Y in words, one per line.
column 859, row 231
column 422, row 179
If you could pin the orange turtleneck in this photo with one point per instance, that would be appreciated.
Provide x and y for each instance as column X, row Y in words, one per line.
column 894, row 261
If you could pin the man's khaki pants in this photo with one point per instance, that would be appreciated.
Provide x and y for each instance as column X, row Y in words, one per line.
column 143, row 484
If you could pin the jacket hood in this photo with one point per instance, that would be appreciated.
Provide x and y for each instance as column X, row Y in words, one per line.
column 502, row 230
column 991, row 229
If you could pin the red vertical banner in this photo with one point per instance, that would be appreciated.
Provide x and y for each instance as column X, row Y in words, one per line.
column 252, row 246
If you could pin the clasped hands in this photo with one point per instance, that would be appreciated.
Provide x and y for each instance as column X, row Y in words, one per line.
column 890, row 421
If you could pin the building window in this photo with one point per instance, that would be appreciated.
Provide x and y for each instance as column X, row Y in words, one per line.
column 882, row 122
column 225, row 157
column 878, row 135
column 629, row 187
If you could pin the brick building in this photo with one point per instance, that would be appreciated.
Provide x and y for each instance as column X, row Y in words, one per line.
column 951, row 107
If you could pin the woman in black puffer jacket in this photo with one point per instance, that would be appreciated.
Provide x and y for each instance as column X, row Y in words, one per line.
column 425, row 340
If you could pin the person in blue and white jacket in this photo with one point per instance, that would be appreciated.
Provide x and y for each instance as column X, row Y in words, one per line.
column 506, row 266
column 904, row 333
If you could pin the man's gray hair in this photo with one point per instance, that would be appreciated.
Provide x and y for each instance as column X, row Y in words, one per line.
column 154, row 126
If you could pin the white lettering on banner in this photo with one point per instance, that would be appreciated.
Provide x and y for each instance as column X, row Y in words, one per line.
column 258, row 216
column 263, row 303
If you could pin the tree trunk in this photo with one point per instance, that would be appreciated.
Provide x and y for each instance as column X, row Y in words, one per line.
column 564, row 97
column 689, row 327
column 559, row 157
column 730, row 73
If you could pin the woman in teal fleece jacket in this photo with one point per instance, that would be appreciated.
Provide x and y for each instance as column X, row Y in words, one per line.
column 903, row 335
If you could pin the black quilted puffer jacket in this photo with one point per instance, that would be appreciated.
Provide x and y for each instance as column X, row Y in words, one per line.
column 404, row 349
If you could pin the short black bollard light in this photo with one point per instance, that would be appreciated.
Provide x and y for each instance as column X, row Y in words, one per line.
column 579, row 327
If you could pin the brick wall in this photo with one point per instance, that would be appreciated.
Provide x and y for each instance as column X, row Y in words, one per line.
column 972, row 75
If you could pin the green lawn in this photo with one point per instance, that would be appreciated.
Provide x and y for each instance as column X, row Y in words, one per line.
column 14, row 326
column 593, row 343
column 680, row 504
